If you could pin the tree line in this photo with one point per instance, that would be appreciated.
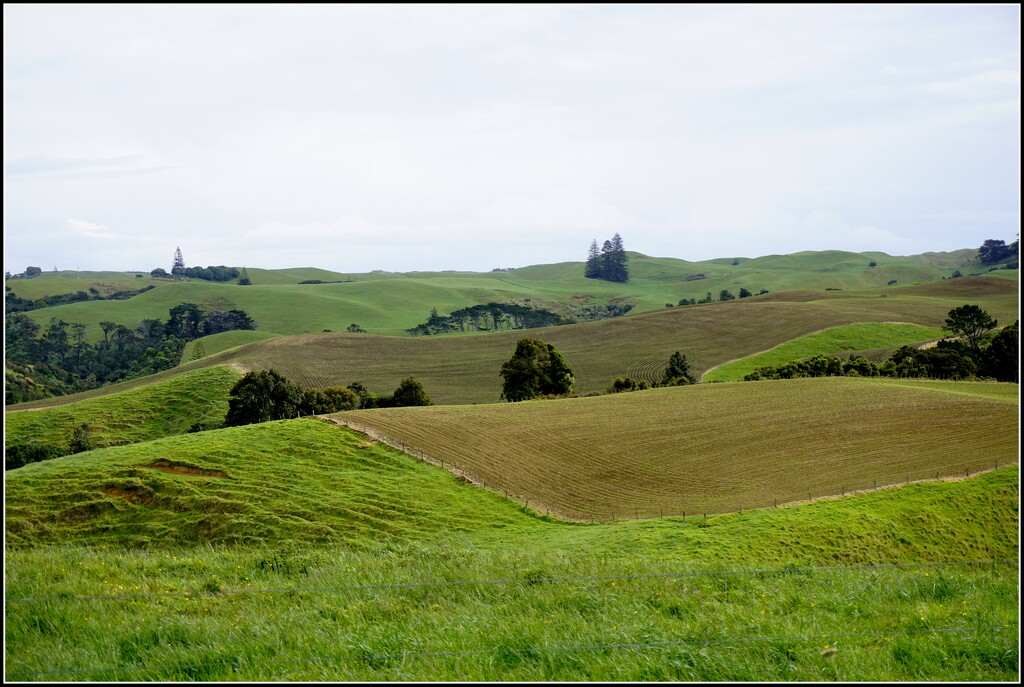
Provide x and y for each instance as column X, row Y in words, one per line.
column 268, row 395
column 489, row 317
column 56, row 359
column 972, row 351
column 14, row 303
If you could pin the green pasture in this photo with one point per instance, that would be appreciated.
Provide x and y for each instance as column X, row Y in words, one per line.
column 443, row 581
column 156, row 410
column 841, row 341
column 218, row 343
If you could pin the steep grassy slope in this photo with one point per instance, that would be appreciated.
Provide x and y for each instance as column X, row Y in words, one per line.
column 464, row 369
column 713, row 448
column 298, row 480
column 159, row 409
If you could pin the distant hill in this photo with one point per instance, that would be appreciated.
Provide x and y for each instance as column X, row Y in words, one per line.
column 464, row 369
column 389, row 303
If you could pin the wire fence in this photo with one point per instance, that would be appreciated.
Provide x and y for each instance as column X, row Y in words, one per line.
column 697, row 511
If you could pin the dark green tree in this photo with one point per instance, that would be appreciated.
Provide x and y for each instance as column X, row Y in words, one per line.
column 535, row 369
column 995, row 250
column 744, row 293
column 678, row 371
column 32, row 271
column 1001, row 360
column 366, row 399
column 243, row 278
column 410, row 393
column 185, row 322
column 726, row 295
column 261, row 397
column 614, row 263
column 969, row 322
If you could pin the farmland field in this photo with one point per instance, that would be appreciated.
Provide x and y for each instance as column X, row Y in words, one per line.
column 464, row 369
column 712, row 448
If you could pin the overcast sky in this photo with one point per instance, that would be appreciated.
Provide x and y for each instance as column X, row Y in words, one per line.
column 415, row 137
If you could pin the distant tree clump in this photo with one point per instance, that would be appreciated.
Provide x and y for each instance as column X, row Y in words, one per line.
column 678, row 371
column 32, row 271
column 261, row 397
column 995, row 250
column 489, row 317
column 333, row 399
column 355, row 329
column 745, row 293
column 610, row 264
column 726, row 295
column 622, row 384
column 243, row 279
column 535, row 369
column 410, row 392
column 969, row 322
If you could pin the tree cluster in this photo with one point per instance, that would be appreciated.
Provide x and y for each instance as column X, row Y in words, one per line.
column 535, row 370
column 490, row 317
column 994, row 250
column 57, row 359
column 268, row 395
column 210, row 273
column 971, row 352
column 610, row 263
column 723, row 295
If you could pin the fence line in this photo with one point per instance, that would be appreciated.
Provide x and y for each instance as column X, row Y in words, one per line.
column 240, row 663
column 526, row 581
column 685, row 511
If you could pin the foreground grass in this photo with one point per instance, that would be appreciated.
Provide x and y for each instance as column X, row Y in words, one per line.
column 602, row 602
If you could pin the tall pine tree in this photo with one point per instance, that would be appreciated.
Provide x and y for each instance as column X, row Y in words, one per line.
column 178, row 268
column 613, row 258
column 592, row 270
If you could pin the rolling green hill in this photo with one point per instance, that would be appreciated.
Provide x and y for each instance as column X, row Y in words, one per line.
column 158, row 409
column 389, row 303
column 464, row 369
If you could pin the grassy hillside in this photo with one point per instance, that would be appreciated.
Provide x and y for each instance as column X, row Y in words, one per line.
column 713, row 448
column 437, row 580
column 880, row 339
column 159, row 409
column 389, row 303
column 464, row 369
column 297, row 480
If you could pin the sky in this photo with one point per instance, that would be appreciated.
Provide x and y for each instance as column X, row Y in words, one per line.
column 470, row 137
